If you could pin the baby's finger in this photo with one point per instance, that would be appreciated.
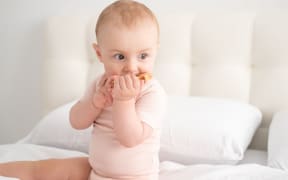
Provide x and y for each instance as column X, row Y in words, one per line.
column 136, row 81
column 116, row 83
column 109, row 83
column 129, row 81
column 122, row 83
column 102, row 80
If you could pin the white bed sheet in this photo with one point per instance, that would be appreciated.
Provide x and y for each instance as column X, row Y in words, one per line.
column 168, row 170
column 171, row 171
column 23, row 152
column 7, row 178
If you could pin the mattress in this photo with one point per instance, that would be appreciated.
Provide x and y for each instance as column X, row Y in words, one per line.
column 251, row 167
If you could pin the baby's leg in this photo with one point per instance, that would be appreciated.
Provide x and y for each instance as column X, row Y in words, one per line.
column 23, row 170
column 63, row 169
column 56, row 169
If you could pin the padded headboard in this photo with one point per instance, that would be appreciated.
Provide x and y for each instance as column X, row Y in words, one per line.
column 240, row 55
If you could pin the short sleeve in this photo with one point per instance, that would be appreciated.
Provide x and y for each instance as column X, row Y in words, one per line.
column 151, row 105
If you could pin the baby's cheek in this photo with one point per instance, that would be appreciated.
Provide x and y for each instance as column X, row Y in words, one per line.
column 112, row 69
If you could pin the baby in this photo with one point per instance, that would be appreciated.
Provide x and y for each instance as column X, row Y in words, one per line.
column 125, row 110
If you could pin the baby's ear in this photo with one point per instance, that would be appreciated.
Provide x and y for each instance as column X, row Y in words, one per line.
column 97, row 51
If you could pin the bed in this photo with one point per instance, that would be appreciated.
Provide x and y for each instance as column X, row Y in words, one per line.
column 225, row 76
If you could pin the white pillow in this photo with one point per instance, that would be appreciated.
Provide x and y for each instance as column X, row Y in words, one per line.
column 55, row 130
column 277, row 141
column 207, row 130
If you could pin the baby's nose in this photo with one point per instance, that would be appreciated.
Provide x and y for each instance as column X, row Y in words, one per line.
column 131, row 66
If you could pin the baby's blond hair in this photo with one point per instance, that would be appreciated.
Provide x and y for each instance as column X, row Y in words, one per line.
column 125, row 12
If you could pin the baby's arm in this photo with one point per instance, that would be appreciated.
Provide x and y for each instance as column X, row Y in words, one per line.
column 82, row 114
column 129, row 128
column 88, row 108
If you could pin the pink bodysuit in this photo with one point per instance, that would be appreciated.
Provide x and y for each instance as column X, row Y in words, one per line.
column 112, row 161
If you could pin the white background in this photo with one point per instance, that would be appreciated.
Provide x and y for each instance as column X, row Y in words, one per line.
column 22, row 52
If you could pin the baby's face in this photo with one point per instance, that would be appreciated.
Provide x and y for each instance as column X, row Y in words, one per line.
column 125, row 50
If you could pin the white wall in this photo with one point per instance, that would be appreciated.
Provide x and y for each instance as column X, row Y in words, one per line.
column 21, row 49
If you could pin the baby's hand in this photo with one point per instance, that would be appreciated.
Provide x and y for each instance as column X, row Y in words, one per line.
column 102, row 96
column 126, row 87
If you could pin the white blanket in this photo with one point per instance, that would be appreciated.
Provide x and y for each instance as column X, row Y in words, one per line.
column 168, row 170
column 23, row 152
column 173, row 171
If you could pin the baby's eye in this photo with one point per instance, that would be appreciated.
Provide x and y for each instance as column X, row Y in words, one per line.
column 143, row 56
column 119, row 56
